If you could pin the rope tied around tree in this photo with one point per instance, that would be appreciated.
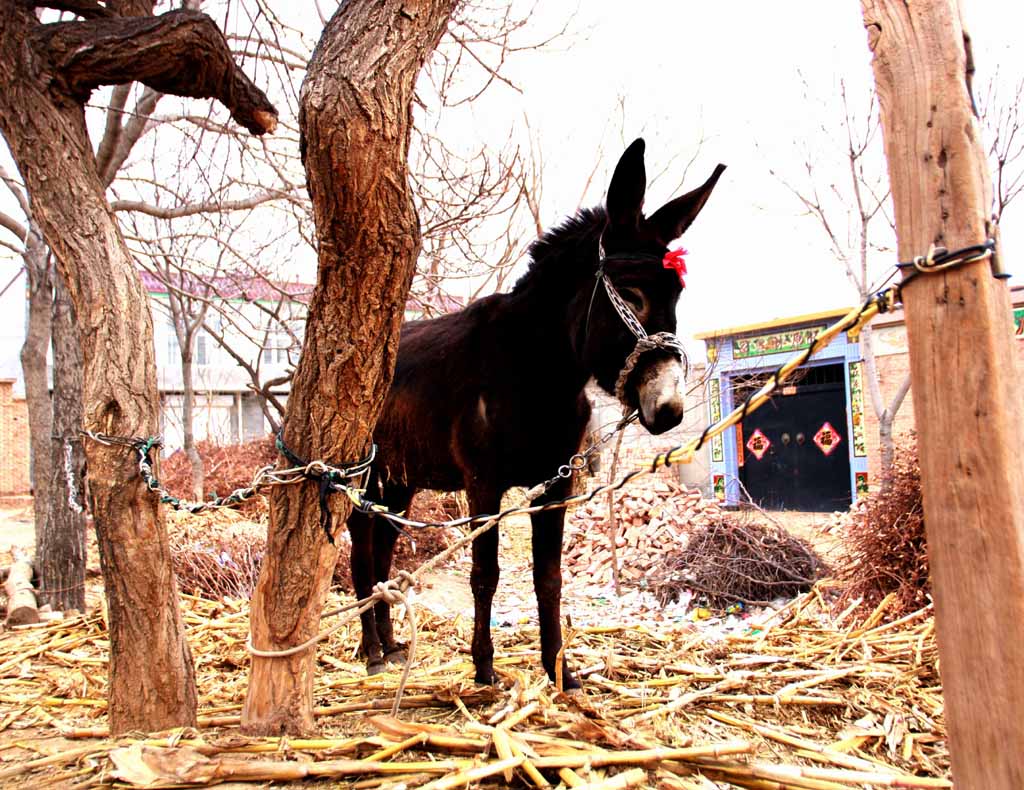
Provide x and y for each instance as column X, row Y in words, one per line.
column 393, row 591
column 330, row 478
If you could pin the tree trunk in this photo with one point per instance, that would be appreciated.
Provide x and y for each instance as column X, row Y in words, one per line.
column 152, row 685
column 47, row 72
column 33, row 366
column 60, row 548
column 187, row 411
column 966, row 378
column 886, row 448
column 355, row 117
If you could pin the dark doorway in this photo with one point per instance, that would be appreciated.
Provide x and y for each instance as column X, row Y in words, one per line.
column 794, row 451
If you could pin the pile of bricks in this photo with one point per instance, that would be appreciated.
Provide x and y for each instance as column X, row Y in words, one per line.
column 653, row 516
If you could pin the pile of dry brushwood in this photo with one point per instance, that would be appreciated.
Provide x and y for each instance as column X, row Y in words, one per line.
column 669, row 539
column 884, row 546
column 652, row 517
column 216, row 554
column 225, row 468
column 737, row 559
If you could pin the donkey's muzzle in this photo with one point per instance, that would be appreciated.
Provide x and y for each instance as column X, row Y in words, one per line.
column 660, row 395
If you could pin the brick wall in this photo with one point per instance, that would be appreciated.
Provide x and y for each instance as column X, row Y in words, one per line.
column 14, row 454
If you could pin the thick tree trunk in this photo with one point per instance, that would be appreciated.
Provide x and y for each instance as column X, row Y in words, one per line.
column 60, row 548
column 46, row 74
column 151, row 677
column 355, row 119
column 33, row 367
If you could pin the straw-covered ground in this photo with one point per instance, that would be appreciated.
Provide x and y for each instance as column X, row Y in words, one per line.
column 793, row 697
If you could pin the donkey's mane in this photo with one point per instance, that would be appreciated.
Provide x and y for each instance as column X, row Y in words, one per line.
column 553, row 255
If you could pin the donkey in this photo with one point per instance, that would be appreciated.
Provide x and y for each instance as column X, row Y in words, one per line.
column 492, row 396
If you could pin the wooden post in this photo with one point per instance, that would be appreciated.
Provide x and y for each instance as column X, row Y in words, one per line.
column 967, row 401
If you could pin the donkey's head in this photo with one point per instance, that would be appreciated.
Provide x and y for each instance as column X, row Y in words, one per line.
column 633, row 250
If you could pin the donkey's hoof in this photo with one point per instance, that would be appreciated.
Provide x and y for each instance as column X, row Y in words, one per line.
column 486, row 677
column 569, row 682
column 396, row 655
column 376, row 666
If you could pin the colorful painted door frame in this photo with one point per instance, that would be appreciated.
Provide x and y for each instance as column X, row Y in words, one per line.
column 741, row 352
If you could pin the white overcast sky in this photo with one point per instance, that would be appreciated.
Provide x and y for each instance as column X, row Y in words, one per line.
column 756, row 80
column 734, row 72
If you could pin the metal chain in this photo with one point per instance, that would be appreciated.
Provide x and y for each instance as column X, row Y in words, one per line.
column 879, row 302
column 645, row 343
column 579, row 461
column 625, row 313
column 662, row 340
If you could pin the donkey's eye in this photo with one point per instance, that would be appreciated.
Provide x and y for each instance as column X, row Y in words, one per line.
column 636, row 300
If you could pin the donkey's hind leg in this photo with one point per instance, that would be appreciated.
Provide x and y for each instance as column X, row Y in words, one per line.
column 360, row 527
column 384, row 537
column 547, row 582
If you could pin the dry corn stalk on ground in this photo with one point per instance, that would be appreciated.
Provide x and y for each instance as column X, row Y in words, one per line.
column 810, row 702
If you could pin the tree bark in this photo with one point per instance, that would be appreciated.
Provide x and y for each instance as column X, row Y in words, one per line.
column 33, row 367
column 355, row 117
column 966, row 383
column 60, row 547
column 46, row 73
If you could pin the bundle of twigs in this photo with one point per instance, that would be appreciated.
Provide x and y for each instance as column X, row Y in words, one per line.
column 217, row 554
column 884, row 545
column 736, row 559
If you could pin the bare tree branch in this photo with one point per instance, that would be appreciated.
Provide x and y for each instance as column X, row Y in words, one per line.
column 129, row 134
column 206, row 207
column 19, row 231
column 181, row 52
column 87, row 9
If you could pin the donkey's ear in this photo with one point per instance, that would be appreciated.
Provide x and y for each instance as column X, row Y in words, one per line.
column 626, row 191
column 674, row 217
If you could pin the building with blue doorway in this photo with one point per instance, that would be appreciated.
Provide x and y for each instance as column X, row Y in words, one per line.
column 806, row 448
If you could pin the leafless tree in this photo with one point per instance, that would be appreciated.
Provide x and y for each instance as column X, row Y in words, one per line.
column 55, row 451
column 847, row 195
column 1002, row 120
column 355, row 126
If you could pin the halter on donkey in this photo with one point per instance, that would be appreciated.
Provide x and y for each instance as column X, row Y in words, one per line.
column 492, row 396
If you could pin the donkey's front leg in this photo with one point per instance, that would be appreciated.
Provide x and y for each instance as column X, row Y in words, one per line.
column 483, row 581
column 547, row 582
